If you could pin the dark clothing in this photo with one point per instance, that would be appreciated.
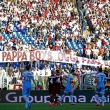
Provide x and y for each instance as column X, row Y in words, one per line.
column 106, row 73
column 52, row 85
column 58, row 84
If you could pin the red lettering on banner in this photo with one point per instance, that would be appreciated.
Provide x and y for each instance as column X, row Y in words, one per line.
column 76, row 59
column 32, row 57
column 73, row 59
column 98, row 62
column 66, row 57
column 43, row 54
column 8, row 57
column 38, row 55
column 93, row 62
column 4, row 54
column 19, row 55
column 24, row 57
column 88, row 61
column 83, row 60
column 60, row 56
column 14, row 55
column 106, row 63
column 50, row 56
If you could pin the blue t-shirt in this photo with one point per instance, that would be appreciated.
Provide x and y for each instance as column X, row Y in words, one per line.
column 101, row 77
column 27, row 77
column 69, row 79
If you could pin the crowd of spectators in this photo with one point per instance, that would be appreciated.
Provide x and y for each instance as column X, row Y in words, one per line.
column 37, row 24
column 53, row 24
column 97, row 15
column 82, row 28
column 11, row 76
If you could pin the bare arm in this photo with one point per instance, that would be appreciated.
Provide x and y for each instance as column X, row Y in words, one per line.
column 47, row 83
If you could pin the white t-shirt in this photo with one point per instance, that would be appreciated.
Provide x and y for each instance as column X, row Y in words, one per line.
column 10, row 43
column 42, row 72
column 48, row 72
column 25, row 47
column 99, row 57
column 16, row 74
column 2, row 73
column 64, row 27
column 11, row 27
column 35, row 74
column 88, row 40
column 88, row 71
column 95, row 51
column 99, row 44
column 79, row 65
column 88, row 51
column 38, row 72
column 1, row 76
column 9, row 79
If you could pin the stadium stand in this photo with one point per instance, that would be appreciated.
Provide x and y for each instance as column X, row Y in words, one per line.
column 81, row 27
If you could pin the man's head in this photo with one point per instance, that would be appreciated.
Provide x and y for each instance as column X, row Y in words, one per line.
column 57, row 72
column 72, row 71
column 52, row 73
column 100, row 69
column 28, row 67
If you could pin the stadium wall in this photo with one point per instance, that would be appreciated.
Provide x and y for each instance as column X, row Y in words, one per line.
column 82, row 96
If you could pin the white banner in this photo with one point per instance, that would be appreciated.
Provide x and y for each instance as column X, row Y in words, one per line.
column 56, row 56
